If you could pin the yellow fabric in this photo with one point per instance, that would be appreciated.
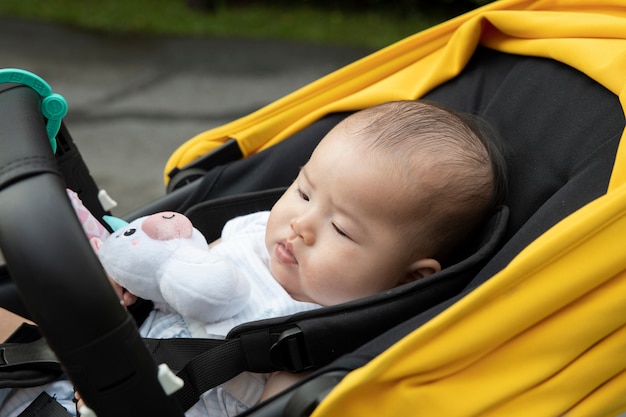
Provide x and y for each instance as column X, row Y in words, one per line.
column 547, row 335
column 585, row 34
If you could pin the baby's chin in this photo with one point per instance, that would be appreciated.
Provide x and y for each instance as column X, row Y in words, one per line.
column 286, row 281
column 304, row 298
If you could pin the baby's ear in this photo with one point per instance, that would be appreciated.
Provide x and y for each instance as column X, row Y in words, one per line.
column 421, row 269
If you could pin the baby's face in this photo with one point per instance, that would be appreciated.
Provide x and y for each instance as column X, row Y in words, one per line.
column 335, row 235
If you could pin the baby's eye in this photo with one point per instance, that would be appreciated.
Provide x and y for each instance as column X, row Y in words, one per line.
column 303, row 195
column 130, row 232
column 339, row 231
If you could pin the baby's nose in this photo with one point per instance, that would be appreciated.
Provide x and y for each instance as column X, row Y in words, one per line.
column 303, row 230
column 167, row 225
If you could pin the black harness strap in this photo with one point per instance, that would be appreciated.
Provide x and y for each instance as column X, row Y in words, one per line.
column 209, row 370
column 37, row 353
column 179, row 352
column 201, row 363
column 26, row 360
column 204, row 364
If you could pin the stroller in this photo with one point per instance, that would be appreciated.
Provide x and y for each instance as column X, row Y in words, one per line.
column 530, row 319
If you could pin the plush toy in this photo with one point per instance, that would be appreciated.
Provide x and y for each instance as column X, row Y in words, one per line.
column 163, row 258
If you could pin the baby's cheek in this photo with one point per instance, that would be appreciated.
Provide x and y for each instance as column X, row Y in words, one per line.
column 325, row 287
column 338, row 286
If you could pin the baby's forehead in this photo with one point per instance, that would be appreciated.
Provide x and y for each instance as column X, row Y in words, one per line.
column 393, row 168
column 398, row 197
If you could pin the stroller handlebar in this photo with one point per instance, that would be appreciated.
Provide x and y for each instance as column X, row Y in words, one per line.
column 60, row 278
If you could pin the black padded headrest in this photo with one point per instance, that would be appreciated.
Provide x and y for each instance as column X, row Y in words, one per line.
column 561, row 131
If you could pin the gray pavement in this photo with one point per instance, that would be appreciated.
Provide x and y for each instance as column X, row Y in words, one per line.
column 134, row 99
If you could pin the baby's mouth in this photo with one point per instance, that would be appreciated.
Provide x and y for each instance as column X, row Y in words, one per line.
column 284, row 253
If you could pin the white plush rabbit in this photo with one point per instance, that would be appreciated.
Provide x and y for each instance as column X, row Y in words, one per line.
column 163, row 258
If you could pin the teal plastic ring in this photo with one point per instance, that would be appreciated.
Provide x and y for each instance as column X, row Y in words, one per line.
column 53, row 106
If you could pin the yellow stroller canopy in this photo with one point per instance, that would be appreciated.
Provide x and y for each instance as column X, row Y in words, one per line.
column 587, row 35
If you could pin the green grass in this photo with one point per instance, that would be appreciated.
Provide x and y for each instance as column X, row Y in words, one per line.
column 174, row 17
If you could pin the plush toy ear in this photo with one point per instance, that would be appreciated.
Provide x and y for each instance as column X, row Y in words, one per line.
column 91, row 225
column 96, row 244
column 115, row 223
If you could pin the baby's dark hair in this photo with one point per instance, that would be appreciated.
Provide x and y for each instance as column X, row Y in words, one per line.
column 453, row 159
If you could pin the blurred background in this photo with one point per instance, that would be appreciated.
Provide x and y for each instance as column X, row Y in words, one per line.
column 370, row 23
column 143, row 76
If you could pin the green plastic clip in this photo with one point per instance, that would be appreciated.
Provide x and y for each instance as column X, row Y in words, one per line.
column 53, row 106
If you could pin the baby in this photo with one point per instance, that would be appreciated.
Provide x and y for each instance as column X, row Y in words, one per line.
column 385, row 197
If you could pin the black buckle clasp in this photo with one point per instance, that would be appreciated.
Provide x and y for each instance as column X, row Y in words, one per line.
column 289, row 352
